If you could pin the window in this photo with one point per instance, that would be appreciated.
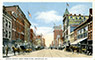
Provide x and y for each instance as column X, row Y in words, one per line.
column 79, row 17
column 85, row 34
column 14, row 14
column 82, row 31
column 6, row 23
column 86, row 28
column 78, row 32
column 72, row 29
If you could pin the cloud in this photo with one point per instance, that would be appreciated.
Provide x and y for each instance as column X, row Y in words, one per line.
column 44, row 30
column 48, row 16
column 79, row 9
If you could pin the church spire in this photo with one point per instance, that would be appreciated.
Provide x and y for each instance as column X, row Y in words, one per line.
column 66, row 12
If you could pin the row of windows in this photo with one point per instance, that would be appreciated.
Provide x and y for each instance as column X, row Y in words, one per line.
column 82, row 35
column 5, row 33
column 7, row 24
column 78, row 18
column 82, row 30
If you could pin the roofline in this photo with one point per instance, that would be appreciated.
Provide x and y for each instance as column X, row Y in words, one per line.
column 82, row 23
column 5, row 12
column 20, row 10
column 27, row 20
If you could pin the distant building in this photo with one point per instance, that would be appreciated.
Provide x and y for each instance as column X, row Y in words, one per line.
column 31, row 35
column 70, row 22
column 57, row 34
column 43, row 42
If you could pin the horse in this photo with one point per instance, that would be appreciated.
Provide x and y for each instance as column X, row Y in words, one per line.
column 74, row 49
column 16, row 50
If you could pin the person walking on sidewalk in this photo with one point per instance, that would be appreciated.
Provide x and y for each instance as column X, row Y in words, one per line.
column 7, row 49
column 18, row 47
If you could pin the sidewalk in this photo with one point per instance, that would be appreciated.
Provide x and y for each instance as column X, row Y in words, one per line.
column 10, row 54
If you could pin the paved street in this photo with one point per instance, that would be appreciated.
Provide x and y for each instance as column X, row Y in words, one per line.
column 51, row 53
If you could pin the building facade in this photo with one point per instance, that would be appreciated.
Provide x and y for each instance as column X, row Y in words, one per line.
column 70, row 22
column 57, row 35
column 27, row 25
column 18, row 29
column 83, row 34
column 7, row 28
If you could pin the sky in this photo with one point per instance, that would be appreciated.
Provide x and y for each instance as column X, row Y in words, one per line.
column 46, row 14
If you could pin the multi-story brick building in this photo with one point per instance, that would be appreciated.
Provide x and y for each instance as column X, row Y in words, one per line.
column 27, row 25
column 57, row 35
column 70, row 22
column 31, row 35
column 90, row 28
column 83, row 34
column 18, row 28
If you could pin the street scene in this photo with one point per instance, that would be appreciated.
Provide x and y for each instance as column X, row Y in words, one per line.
column 47, row 29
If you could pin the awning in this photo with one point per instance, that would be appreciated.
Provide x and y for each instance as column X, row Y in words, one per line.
column 77, row 41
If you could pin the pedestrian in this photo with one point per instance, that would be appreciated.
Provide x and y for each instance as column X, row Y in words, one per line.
column 18, row 48
column 4, row 49
column 13, row 49
column 7, row 48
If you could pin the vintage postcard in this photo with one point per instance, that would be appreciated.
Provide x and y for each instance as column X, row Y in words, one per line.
column 44, row 30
